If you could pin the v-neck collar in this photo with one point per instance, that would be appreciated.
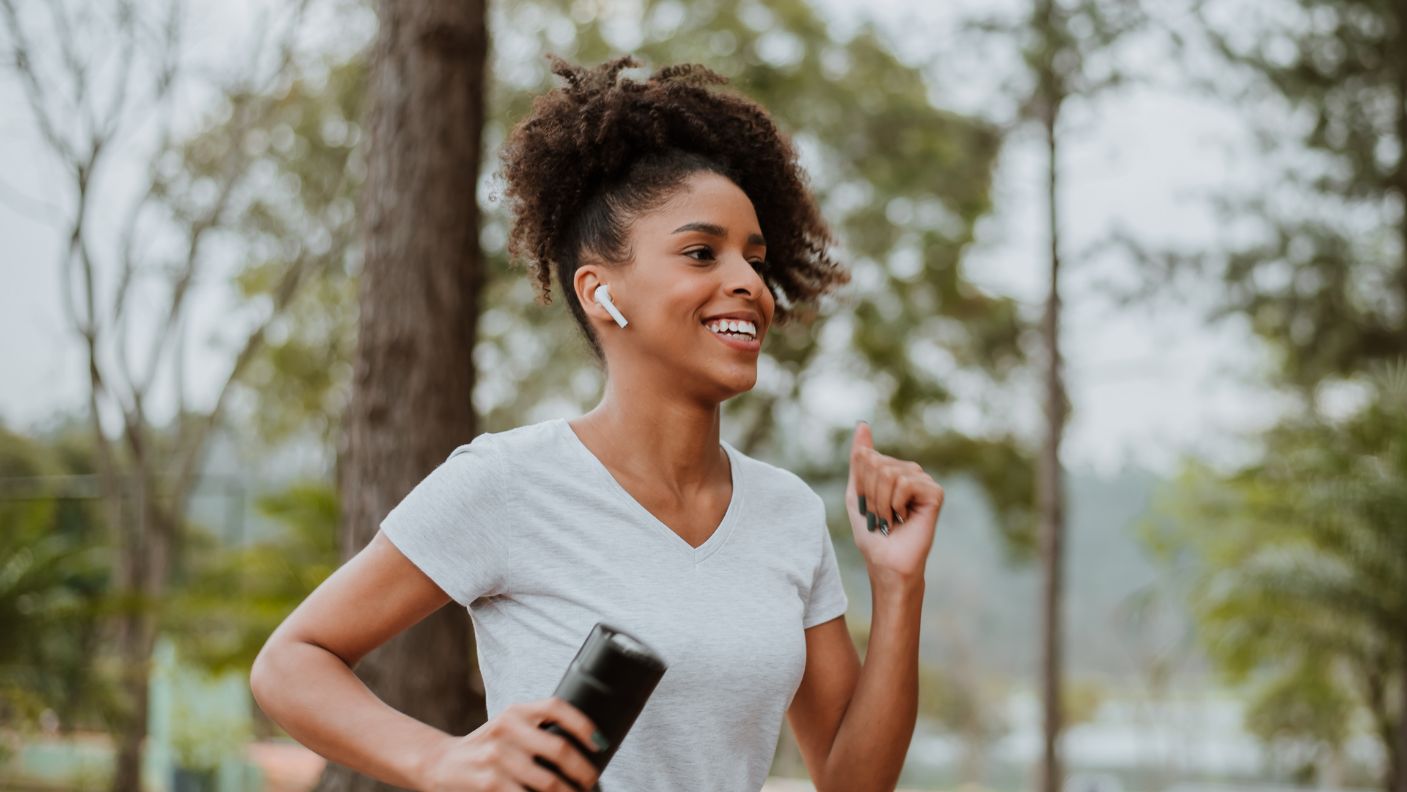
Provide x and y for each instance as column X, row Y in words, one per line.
column 720, row 533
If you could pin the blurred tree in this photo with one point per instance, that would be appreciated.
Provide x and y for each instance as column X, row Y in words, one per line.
column 1160, row 639
column 1064, row 57
column 420, row 287
column 1316, row 260
column 1302, row 709
column 53, row 585
column 100, row 84
column 1314, row 255
column 965, row 705
column 56, row 586
column 229, row 599
column 1301, row 562
column 308, row 151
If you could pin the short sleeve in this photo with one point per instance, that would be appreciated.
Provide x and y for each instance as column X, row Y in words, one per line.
column 448, row 525
column 827, row 599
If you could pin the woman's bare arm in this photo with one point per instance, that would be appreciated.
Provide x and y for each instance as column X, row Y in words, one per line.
column 303, row 678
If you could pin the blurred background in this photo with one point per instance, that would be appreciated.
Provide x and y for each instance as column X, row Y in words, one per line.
column 1128, row 280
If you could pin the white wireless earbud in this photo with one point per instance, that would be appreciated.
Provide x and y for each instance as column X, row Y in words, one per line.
column 603, row 296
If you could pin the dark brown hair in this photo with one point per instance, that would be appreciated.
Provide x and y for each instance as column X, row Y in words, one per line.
column 600, row 151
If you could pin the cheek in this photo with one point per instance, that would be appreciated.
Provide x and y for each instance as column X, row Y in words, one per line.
column 687, row 297
column 669, row 314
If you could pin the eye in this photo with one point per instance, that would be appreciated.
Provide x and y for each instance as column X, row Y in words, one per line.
column 758, row 264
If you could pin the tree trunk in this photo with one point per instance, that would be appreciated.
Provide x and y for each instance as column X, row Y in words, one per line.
column 144, row 565
column 1401, row 186
column 413, row 378
column 1397, row 754
column 1050, row 482
column 136, row 651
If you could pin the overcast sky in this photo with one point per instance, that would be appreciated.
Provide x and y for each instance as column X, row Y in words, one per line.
column 1148, row 384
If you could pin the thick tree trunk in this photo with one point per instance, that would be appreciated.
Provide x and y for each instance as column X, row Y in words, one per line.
column 413, row 379
column 1050, row 482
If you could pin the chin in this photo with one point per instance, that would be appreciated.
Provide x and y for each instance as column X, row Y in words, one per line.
column 741, row 384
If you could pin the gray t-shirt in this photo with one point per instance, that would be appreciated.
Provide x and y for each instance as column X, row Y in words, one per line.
column 530, row 531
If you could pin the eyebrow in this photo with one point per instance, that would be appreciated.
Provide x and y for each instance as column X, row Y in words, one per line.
column 717, row 230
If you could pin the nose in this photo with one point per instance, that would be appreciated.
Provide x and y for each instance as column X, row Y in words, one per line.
column 743, row 278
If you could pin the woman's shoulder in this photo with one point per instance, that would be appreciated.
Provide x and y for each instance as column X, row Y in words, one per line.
column 513, row 443
column 775, row 481
column 497, row 459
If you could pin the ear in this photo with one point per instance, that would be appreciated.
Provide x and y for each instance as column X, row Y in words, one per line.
column 584, row 282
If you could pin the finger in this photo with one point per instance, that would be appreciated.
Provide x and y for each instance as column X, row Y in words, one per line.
column 902, row 498
column 915, row 490
column 909, row 471
column 868, row 478
column 537, row 778
column 853, row 493
column 559, row 751
column 503, row 779
column 883, row 494
column 573, row 720
column 852, row 497
column 861, row 439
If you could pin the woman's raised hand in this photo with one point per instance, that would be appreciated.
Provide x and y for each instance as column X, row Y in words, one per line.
column 498, row 756
column 902, row 498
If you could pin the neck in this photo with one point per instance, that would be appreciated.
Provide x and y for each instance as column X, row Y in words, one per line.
column 656, row 434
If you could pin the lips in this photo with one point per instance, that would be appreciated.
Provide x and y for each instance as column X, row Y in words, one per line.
column 742, row 344
column 750, row 316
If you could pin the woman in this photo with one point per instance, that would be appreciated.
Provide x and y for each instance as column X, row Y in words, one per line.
column 689, row 206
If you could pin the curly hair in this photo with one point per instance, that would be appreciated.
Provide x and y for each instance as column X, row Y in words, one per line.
column 598, row 152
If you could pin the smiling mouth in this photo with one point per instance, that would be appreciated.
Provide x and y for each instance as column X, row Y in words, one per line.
column 742, row 341
column 745, row 325
column 741, row 335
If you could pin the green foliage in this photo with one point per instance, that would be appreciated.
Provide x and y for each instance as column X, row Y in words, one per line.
column 233, row 597
column 1080, row 700
column 56, row 595
column 966, row 707
column 53, row 581
column 1317, row 265
column 1301, row 563
column 294, row 211
column 1302, row 703
column 208, row 725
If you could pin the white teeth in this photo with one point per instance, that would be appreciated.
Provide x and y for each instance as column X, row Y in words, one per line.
column 740, row 326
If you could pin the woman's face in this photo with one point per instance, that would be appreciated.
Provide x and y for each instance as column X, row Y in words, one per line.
column 697, row 257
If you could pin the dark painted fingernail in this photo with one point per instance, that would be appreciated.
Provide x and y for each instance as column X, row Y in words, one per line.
column 601, row 742
column 900, row 518
column 871, row 521
column 863, row 510
column 884, row 525
column 884, row 530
